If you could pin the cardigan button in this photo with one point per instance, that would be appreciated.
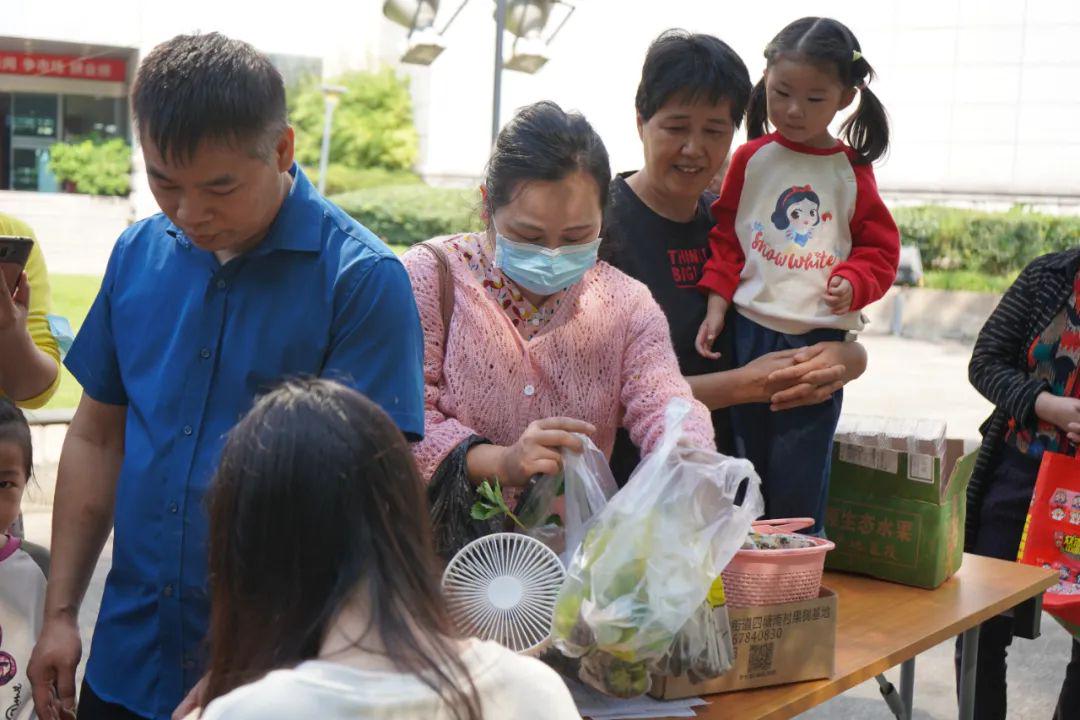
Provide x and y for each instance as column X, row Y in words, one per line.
column 529, row 391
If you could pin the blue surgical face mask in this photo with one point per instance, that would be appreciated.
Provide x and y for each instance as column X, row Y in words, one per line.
column 542, row 270
column 61, row 330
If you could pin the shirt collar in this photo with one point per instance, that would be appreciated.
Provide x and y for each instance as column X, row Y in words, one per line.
column 297, row 226
column 9, row 546
column 806, row 149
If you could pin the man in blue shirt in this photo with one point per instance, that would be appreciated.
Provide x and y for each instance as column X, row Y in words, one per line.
column 247, row 277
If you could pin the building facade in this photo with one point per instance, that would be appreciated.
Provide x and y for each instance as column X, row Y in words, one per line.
column 982, row 93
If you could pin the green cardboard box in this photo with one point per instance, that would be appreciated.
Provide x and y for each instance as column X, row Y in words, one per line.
column 896, row 514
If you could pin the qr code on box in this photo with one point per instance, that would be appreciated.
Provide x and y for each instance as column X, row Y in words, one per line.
column 761, row 659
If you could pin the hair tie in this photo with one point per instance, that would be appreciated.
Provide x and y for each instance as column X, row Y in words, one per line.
column 856, row 56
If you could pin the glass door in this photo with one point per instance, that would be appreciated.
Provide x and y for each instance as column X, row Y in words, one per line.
column 35, row 120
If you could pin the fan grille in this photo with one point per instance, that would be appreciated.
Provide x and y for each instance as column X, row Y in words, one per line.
column 502, row 587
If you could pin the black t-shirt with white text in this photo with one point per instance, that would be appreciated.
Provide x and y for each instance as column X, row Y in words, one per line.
column 668, row 257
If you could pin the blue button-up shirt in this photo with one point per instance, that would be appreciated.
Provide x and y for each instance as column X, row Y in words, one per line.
column 187, row 344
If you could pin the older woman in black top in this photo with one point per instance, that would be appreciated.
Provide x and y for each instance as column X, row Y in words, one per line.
column 1026, row 363
column 690, row 102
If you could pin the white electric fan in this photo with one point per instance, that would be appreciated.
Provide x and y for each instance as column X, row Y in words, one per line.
column 502, row 587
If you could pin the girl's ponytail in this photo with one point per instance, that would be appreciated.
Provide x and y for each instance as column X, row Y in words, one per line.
column 829, row 41
column 867, row 130
column 757, row 112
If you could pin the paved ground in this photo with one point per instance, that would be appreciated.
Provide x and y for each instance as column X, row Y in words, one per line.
column 908, row 378
column 905, row 378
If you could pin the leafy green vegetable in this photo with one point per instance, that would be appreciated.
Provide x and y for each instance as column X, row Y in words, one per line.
column 491, row 503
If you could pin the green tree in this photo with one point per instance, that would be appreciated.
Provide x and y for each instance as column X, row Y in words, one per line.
column 94, row 165
column 373, row 123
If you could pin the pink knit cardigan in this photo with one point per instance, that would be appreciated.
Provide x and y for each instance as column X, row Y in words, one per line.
column 604, row 357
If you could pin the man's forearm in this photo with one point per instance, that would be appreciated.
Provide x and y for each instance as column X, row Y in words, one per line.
column 82, row 519
column 25, row 371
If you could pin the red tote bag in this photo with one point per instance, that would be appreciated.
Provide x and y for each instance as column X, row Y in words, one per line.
column 1051, row 536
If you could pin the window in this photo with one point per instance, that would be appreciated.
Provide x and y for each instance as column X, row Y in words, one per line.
column 34, row 115
column 85, row 115
column 30, row 170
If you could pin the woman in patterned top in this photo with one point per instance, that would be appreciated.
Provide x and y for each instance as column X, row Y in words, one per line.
column 543, row 341
column 1026, row 363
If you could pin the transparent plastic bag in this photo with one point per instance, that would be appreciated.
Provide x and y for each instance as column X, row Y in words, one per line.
column 649, row 559
column 703, row 649
column 585, row 484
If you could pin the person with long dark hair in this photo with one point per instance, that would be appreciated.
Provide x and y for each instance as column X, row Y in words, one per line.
column 324, row 594
column 802, row 243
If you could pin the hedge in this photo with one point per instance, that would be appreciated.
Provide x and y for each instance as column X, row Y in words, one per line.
column 408, row 214
column 985, row 242
column 342, row 179
column 998, row 244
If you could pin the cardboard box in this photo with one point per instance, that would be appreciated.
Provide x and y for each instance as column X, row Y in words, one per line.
column 896, row 511
column 774, row 645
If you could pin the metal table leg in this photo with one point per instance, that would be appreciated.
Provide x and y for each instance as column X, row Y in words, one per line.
column 891, row 697
column 970, row 645
column 907, row 687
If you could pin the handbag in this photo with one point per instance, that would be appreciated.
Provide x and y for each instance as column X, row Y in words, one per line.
column 446, row 285
column 1051, row 537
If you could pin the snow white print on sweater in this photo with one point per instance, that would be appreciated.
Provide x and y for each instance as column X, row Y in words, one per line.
column 788, row 219
column 798, row 212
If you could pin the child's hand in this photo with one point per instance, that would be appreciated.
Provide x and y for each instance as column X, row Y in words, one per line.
column 838, row 296
column 711, row 326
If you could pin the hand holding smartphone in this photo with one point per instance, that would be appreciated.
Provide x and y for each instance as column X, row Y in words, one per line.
column 14, row 253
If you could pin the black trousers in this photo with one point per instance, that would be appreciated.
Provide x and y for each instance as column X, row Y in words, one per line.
column 91, row 707
column 1001, row 523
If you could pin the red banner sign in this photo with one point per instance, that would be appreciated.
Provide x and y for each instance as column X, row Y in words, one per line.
column 65, row 66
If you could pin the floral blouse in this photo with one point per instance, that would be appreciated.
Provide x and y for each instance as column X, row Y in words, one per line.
column 1054, row 356
column 479, row 254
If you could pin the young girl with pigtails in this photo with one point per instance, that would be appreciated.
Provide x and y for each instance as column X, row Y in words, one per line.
column 802, row 243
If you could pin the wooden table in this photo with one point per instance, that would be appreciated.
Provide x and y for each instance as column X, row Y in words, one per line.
column 882, row 625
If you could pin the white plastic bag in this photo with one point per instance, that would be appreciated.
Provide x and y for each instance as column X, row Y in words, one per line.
column 647, row 562
column 586, row 482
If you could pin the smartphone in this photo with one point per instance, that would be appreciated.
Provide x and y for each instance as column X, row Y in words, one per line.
column 14, row 252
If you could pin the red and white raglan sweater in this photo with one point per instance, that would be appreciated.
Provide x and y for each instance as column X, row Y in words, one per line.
column 789, row 217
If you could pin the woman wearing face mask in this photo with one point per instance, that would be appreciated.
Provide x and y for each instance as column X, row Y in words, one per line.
column 543, row 341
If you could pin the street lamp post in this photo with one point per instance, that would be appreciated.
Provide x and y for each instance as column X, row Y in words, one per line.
column 331, row 95
column 526, row 22
column 496, row 102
